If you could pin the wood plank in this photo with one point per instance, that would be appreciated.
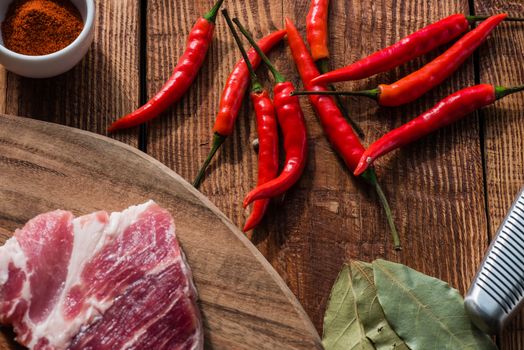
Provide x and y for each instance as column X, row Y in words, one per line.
column 435, row 186
column 103, row 87
column 244, row 303
column 500, row 64
column 3, row 89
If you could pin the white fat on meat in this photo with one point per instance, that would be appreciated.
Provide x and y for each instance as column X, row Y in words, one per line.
column 92, row 235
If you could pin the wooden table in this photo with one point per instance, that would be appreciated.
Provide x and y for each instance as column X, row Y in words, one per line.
column 449, row 192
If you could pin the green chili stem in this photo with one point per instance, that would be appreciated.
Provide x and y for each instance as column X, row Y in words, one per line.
column 371, row 177
column 374, row 94
column 256, row 86
column 211, row 16
column 501, row 91
column 323, row 67
column 218, row 140
column 482, row 18
column 278, row 77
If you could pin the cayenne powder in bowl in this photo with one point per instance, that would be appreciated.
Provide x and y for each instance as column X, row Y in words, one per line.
column 40, row 27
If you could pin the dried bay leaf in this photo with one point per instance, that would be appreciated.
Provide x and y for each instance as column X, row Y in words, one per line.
column 424, row 311
column 372, row 317
column 342, row 327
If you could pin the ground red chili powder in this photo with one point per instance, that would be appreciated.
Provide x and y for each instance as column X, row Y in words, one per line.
column 40, row 27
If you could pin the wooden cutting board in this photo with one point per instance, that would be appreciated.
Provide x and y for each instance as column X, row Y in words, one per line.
column 245, row 304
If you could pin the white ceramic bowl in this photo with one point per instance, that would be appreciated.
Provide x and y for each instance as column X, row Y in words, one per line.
column 58, row 62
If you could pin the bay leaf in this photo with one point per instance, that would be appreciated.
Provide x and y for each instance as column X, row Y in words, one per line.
column 424, row 311
column 342, row 327
column 372, row 317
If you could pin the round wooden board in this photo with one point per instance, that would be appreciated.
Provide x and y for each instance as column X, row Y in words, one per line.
column 245, row 304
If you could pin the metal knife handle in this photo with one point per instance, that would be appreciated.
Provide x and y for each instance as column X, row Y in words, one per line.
column 497, row 292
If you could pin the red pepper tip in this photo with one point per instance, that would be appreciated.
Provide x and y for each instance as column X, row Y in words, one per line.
column 112, row 128
column 247, row 200
column 497, row 18
column 248, row 226
column 318, row 80
column 363, row 165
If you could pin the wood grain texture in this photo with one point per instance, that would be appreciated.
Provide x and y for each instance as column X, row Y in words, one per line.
column 500, row 63
column 245, row 304
column 435, row 186
column 438, row 208
column 3, row 89
column 103, row 87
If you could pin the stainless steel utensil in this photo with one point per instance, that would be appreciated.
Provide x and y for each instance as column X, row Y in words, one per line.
column 497, row 292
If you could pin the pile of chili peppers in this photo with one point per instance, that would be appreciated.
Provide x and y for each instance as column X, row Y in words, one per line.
column 313, row 66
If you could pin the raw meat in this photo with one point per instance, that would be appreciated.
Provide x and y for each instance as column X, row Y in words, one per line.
column 99, row 282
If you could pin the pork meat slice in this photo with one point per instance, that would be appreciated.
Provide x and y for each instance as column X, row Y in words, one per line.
column 99, row 282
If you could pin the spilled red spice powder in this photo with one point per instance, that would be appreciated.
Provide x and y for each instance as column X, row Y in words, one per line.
column 40, row 27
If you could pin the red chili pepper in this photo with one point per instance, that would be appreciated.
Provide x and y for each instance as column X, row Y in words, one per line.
column 447, row 111
column 267, row 131
column 237, row 84
column 185, row 72
column 338, row 131
column 418, row 83
column 336, row 128
column 434, row 73
column 417, row 44
column 232, row 97
column 317, row 36
column 410, row 47
column 317, row 29
column 291, row 120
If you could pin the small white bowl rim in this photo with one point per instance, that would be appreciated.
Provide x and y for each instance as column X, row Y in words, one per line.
column 90, row 19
